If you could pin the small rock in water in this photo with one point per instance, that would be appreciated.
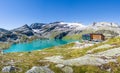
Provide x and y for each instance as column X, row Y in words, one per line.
column 40, row 69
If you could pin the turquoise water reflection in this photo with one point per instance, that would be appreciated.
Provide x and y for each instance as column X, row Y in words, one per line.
column 35, row 45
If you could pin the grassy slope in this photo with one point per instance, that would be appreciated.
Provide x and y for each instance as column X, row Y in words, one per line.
column 4, row 45
column 27, row 60
column 77, row 36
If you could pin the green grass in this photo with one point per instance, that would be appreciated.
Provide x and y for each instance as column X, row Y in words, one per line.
column 77, row 36
column 73, row 37
column 115, row 67
column 104, row 49
column 4, row 45
column 79, row 52
column 26, row 60
column 88, row 69
column 112, row 41
column 115, row 40
column 53, row 34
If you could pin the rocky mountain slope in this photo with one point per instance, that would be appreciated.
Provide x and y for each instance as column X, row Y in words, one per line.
column 106, row 28
column 59, row 30
column 25, row 30
column 6, row 35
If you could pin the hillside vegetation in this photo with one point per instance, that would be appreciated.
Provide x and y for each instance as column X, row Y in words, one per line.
column 26, row 60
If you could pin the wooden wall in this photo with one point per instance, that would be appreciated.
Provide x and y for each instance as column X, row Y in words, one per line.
column 97, row 37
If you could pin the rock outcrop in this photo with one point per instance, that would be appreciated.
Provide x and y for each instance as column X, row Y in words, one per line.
column 96, row 59
column 37, row 25
column 41, row 69
column 67, row 69
column 8, row 69
column 26, row 30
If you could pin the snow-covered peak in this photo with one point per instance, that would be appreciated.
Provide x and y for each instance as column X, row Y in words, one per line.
column 102, row 24
column 73, row 24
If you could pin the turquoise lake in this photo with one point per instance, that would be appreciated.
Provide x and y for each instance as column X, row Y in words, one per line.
column 35, row 45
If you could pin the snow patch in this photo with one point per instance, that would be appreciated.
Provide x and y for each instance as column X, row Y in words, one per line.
column 77, row 26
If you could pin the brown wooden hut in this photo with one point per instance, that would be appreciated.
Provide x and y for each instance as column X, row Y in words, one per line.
column 97, row 37
column 93, row 37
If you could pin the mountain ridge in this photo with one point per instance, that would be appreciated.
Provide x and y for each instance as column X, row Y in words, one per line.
column 57, row 29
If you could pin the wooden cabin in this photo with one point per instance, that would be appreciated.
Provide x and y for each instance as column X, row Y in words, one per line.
column 97, row 37
column 93, row 37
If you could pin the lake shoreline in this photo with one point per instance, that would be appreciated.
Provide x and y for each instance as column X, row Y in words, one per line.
column 35, row 45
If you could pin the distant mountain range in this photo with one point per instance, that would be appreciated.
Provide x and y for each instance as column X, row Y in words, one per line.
column 59, row 30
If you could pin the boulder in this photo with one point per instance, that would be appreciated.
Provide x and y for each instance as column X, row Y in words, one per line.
column 67, row 69
column 59, row 65
column 39, row 69
column 9, row 69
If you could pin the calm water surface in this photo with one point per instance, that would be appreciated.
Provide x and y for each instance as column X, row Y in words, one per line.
column 36, row 45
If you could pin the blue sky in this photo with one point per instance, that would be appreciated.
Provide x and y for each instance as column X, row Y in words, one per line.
column 15, row 13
